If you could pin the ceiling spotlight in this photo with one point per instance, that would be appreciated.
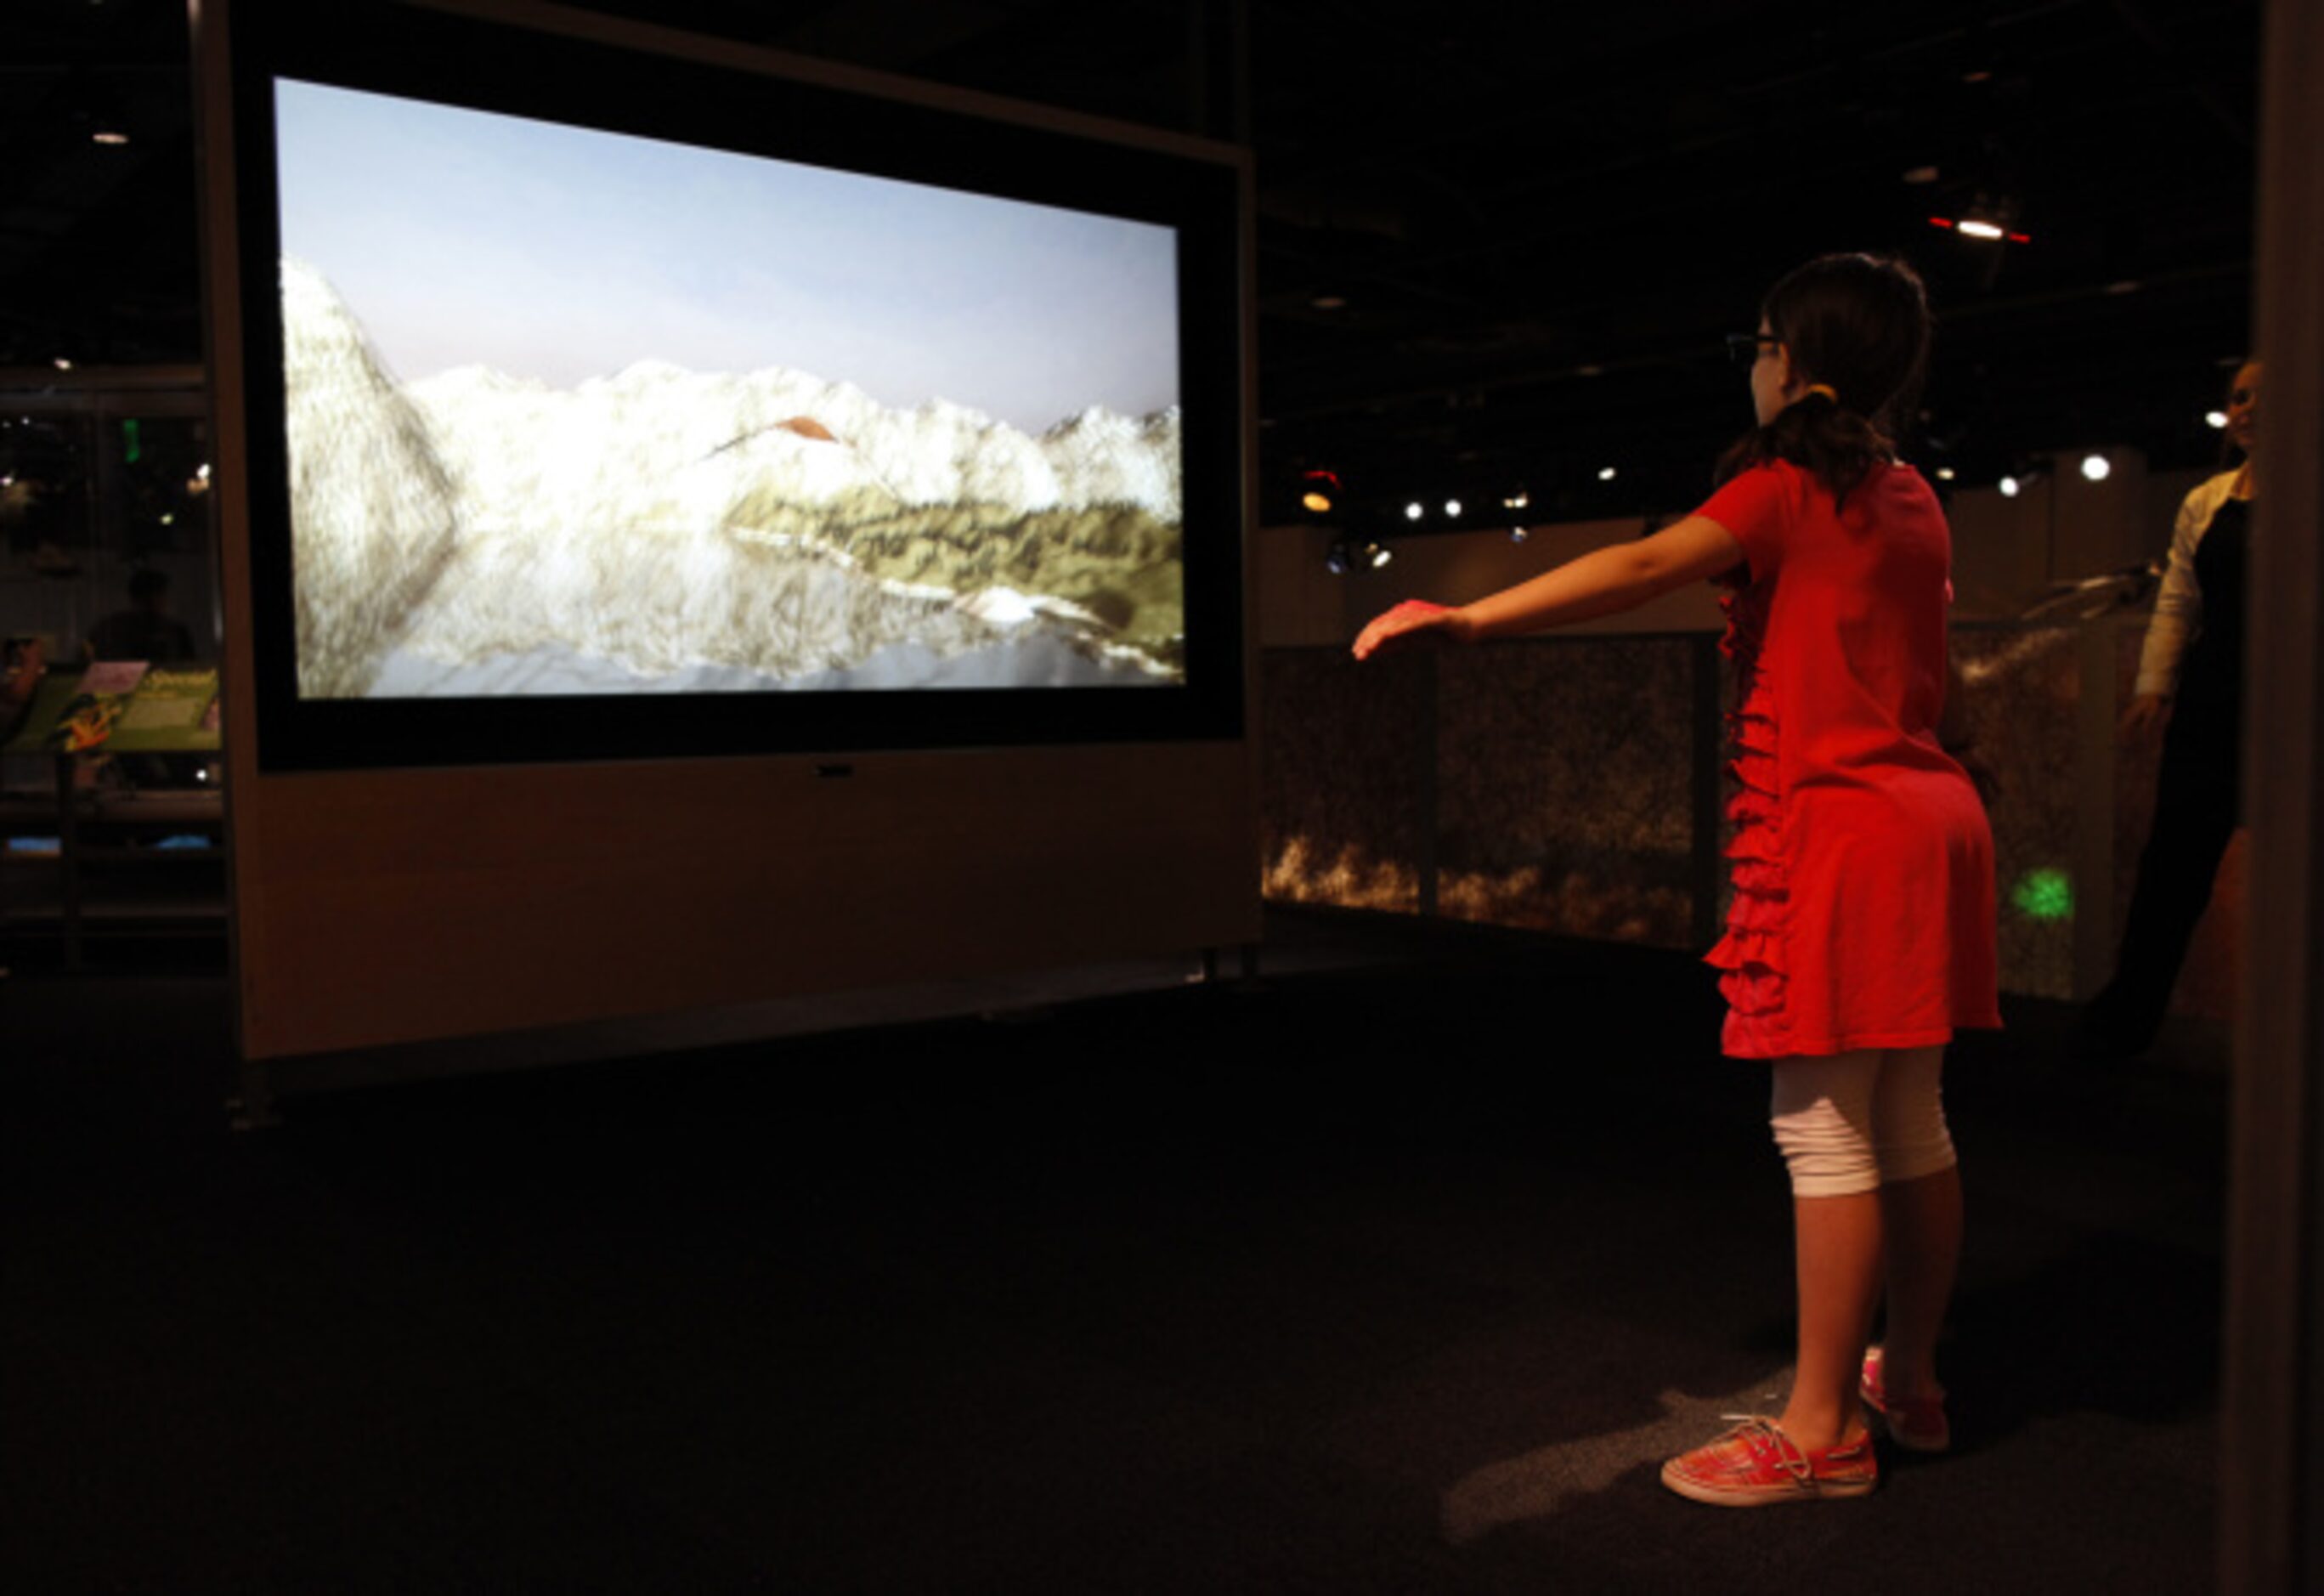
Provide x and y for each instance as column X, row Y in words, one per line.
column 63, row 364
column 1945, row 474
column 1976, row 226
column 109, row 136
column 1320, row 487
column 2008, row 487
column 1607, row 474
column 1415, row 510
column 2216, row 421
column 1378, row 554
column 2095, row 467
column 1453, row 508
column 1921, row 174
column 1516, row 501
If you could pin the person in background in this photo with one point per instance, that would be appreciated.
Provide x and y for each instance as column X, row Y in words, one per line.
column 20, row 669
column 145, row 630
column 1863, row 928
column 20, row 678
column 2190, row 687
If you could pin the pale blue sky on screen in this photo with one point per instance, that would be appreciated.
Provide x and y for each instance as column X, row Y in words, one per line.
column 459, row 237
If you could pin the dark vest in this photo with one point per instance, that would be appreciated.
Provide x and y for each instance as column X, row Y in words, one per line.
column 2208, row 713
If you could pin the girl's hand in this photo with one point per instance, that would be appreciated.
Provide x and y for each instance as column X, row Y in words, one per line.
column 1410, row 624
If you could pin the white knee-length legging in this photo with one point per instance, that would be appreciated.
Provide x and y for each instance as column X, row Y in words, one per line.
column 1855, row 1122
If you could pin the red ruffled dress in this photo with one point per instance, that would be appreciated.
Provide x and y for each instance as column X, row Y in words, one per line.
column 1863, row 912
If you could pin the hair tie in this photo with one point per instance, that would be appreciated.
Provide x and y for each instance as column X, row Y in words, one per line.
column 1825, row 390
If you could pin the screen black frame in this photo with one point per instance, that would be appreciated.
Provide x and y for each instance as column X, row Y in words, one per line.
column 740, row 104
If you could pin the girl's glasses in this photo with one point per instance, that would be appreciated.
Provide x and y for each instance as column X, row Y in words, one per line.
column 1743, row 349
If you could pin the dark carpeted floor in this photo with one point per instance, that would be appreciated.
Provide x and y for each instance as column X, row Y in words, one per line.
column 1401, row 1271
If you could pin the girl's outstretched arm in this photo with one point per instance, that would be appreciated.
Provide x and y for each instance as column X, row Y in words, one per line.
column 1604, row 582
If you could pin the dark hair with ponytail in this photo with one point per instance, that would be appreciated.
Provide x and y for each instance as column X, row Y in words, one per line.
column 2227, row 449
column 1859, row 326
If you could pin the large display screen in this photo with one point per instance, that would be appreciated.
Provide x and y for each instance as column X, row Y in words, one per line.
column 610, row 403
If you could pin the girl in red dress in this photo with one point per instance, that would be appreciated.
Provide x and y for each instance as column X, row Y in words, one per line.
column 1863, row 919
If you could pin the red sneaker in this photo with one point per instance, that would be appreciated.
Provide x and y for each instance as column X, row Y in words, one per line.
column 1916, row 1424
column 1755, row 1464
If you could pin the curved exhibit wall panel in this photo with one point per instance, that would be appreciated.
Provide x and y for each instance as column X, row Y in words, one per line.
column 593, row 652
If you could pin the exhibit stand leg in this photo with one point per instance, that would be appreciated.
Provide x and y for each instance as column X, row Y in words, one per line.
column 253, row 1107
column 1247, row 975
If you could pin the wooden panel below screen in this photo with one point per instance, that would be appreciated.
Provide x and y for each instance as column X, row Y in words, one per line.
column 386, row 907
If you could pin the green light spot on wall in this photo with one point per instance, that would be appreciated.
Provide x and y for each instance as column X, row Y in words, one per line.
column 132, row 445
column 2044, row 895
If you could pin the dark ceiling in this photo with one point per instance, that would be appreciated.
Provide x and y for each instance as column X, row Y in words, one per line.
column 1497, row 244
